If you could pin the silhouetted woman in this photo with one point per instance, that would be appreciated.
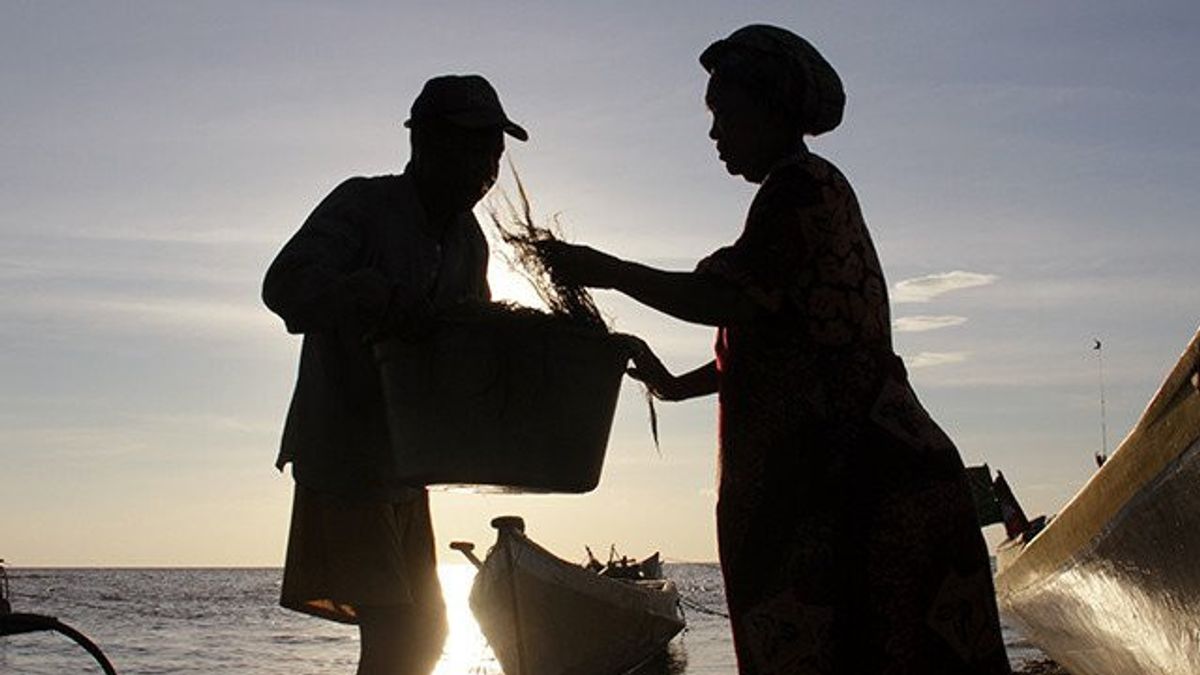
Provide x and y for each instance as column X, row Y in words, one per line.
column 848, row 536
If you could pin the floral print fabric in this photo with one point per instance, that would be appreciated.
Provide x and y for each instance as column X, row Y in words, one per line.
column 847, row 532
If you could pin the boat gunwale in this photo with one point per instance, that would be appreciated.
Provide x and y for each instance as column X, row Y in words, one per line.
column 584, row 581
column 1164, row 432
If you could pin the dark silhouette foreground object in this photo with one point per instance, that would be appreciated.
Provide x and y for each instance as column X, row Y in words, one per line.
column 17, row 623
column 846, row 527
column 379, row 255
column 503, row 402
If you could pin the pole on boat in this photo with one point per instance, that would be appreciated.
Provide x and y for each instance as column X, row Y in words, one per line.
column 5, row 606
column 1102, row 456
column 509, row 526
column 468, row 549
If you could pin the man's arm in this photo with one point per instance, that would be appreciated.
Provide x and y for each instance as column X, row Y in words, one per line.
column 313, row 283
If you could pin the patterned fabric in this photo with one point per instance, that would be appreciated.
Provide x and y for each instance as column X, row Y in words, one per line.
column 847, row 531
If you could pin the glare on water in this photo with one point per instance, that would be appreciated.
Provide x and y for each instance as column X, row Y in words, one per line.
column 466, row 649
column 226, row 621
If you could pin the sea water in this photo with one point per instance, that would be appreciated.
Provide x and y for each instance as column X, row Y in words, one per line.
column 227, row 621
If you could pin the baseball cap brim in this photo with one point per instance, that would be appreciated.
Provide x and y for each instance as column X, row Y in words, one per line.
column 479, row 119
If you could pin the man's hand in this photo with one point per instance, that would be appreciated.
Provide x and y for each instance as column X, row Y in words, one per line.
column 406, row 318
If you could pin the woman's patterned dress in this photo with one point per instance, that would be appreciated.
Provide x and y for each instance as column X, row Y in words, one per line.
column 848, row 536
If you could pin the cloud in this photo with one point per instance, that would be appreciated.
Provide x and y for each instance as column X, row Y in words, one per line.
column 922, row 323
column 930, row 359
column 928, row 287
column 179, row 317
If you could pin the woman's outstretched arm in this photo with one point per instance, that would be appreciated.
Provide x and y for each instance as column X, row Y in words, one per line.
column 648, row 369
column 693, row 384
column 688, row 296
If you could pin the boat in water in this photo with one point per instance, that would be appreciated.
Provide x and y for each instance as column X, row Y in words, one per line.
column 545, row 616
column 1111, row 584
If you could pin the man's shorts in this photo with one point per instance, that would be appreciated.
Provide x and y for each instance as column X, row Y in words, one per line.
column 343, row 555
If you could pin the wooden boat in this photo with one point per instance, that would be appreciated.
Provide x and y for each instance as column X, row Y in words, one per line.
column 545, row 616
column 1111, row 585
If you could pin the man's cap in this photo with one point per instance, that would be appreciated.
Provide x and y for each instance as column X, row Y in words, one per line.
column 463, row 100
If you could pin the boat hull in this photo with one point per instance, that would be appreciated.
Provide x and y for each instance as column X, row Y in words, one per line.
column 1111, row 586
column 545, row 616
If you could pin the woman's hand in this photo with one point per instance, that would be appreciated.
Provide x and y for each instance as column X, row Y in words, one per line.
column 650, row 371
column 579, row 265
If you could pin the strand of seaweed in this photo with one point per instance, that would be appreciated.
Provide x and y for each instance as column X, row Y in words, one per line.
column 518, row 229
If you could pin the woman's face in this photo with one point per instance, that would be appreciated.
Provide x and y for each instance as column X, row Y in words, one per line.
column 750, row 136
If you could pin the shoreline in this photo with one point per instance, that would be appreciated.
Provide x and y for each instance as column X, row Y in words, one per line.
column 1041, row 667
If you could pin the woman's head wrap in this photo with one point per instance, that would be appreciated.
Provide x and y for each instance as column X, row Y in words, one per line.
column 808, row 85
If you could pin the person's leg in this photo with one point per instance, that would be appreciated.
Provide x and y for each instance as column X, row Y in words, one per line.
column 407, row 639
column 399, row 640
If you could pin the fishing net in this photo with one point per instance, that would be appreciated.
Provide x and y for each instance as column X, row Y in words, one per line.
column 516, row 226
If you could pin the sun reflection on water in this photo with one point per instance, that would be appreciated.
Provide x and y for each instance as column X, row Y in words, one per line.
column 466, row 650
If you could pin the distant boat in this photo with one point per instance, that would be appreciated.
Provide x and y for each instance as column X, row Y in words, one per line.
column 545, row 616
column 1111, row 585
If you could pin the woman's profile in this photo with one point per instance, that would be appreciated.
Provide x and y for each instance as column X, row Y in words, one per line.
column 847, row 532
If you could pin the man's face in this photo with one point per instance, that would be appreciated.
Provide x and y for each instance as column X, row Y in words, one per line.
column 460, row 164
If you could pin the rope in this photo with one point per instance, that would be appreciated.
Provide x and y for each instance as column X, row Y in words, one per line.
column 697, row 607
column 1103, row 416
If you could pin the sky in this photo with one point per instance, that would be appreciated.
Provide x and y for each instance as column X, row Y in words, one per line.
column 1029, row 172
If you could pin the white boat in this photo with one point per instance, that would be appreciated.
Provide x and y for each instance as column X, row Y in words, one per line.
column 545, row 616
column 1111, row 585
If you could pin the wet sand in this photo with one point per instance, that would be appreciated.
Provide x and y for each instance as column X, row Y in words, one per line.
column 1041, row 667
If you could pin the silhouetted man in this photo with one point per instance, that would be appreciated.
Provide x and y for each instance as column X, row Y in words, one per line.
column 378, row 253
